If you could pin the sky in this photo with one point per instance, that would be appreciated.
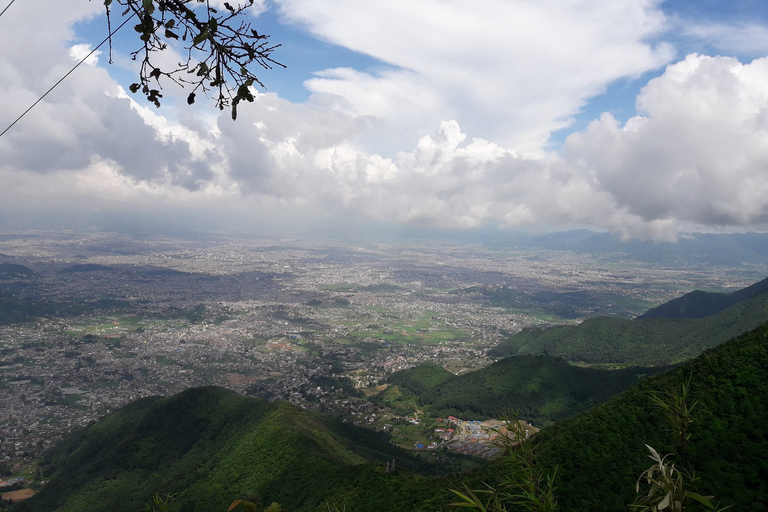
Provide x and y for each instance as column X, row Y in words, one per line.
column 644, row 118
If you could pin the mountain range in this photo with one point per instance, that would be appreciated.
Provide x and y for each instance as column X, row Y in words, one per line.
column 671, row 333
column 700, row 304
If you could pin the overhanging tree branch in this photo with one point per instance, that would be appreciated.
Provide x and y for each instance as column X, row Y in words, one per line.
column 221, row 49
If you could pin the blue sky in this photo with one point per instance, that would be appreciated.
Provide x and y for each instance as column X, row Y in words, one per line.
column 640, row 117
column 305, row 54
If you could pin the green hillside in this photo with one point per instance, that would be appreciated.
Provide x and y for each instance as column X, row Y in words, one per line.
column 699, row 304
column 214, row 446
column 601, row 453
column 421, row 379
column 541, row 389
column 648, row 341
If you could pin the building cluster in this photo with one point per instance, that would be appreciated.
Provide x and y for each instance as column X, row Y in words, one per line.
column 12, row 484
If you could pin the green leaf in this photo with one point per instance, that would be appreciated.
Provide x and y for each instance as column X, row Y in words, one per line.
column 199, row 38
column 704, row 500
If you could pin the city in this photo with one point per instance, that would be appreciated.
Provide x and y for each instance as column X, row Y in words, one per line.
column 111, row 319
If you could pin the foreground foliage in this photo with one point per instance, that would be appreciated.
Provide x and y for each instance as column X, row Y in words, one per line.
column 523, row 486
column 668, row 487
column 219, row 48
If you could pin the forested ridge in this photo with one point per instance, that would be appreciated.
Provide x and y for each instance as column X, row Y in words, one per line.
column 213, row 446
column 601, row 453
column 700, row 304
column 649, row 341
column 540, row 389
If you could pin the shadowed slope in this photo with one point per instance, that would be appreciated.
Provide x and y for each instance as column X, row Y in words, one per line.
column 699, row 304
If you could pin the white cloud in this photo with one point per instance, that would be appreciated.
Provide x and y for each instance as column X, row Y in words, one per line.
column 486, row 85
column 85, row 119
column 749, row 38
column 697, row 156
column 83, row 51
column 254, row 9
column 511, row 71
column 700, row 152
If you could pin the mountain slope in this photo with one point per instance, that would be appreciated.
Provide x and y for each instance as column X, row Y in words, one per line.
column 641, row 342
column 214, row 446
column 12, row 271
column 699, row 304
column 692, row 249
column 601, row 453
column 540, row 389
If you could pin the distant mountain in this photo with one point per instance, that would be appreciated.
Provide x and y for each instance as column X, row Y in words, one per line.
column 699, row 304
column 213, row 446
column 12, row 271
column 648, row 341
column 540, row 389
column 601, row 453
column 692, row 248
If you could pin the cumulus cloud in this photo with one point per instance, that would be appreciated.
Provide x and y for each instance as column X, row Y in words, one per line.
column 85, row 119
column 697, row 156
column 511, row 71
column 445, row 181
column 699, row 153
column 468, row 97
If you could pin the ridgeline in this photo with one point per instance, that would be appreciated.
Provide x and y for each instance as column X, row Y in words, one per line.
column 601, row 453
column 540, row 389
column 642, row 341
column 213, row 446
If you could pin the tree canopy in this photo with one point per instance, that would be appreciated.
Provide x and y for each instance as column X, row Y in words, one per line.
column 220, row 49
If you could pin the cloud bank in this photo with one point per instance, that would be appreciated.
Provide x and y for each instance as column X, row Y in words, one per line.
column 450, row 132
